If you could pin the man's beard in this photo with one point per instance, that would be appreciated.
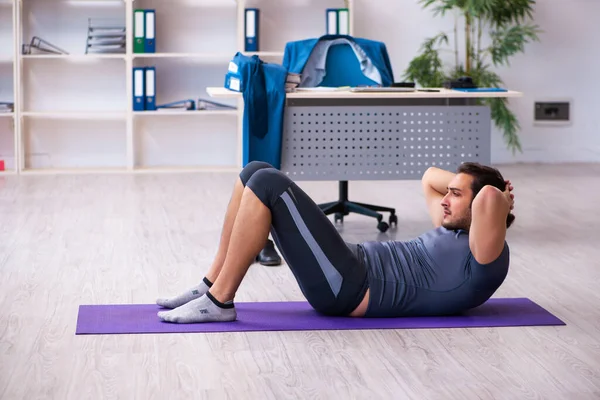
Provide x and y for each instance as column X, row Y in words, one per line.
column 463, row 223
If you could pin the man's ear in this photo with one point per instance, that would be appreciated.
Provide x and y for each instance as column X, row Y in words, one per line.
column 471, row 203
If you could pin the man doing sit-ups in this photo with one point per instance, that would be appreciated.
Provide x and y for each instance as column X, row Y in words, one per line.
column 452, row 268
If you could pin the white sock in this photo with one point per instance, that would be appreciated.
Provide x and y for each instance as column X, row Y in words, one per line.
column 203, row 309
column 187, row 296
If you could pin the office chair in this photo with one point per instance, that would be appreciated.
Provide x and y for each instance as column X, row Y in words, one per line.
column 342, row 68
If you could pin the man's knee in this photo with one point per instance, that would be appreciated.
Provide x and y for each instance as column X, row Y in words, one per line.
column 251, row 168
column 270, row 177
column 268, row 184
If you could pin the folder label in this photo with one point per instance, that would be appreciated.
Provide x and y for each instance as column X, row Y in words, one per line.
column 233, row 67
column 251, row 24
column 332, row 28
column 150, row 25
column 343, row 22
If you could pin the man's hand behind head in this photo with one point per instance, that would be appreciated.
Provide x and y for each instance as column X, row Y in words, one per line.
column 510, row 197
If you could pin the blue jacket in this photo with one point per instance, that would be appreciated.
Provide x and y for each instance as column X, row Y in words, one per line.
column 297, row 53
column 263, row 89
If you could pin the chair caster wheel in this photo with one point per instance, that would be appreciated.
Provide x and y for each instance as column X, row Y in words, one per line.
column 382, row 226
column 339, row 217
column 393, row 219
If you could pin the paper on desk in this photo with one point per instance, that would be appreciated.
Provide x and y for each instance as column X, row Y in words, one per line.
column 323, row 89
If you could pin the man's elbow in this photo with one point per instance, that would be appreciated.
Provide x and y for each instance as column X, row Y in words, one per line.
column 429, row 171
column 426, row 178
column 489, row 193
column 490, row 199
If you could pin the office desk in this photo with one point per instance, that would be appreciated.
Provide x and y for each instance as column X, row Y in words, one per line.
column 343, row 135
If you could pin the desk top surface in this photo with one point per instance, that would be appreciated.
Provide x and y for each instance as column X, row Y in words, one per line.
column 222, row 92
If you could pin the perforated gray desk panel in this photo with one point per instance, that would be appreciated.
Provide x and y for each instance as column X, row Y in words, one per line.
column 360, row 142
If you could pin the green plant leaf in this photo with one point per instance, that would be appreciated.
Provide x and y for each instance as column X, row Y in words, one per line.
column 498, row 12
column 510, row 33
column 508, row 41
column 479, row 8
column 439, row 39
column 443, row 6
column 507, row 12
column 506, row 121
column 426, row 69
column 483, row 77
column 457, row 72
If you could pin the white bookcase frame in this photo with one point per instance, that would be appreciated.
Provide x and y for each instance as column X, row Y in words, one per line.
column 8, row 121
column 33, row 115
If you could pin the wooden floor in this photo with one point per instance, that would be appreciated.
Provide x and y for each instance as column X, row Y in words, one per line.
column 71, row 240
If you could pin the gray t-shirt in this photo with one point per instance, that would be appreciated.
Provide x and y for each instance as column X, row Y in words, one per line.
column 434, row 274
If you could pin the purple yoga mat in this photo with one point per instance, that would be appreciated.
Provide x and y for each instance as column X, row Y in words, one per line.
column 298, row 316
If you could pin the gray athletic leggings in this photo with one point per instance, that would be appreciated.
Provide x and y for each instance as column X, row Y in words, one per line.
column 330, row 272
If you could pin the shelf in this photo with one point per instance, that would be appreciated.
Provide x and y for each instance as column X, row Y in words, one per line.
column 6, row 60
column 193, row 3
column 207, row 56
column 8, row 172
column 7, row 115
column 74, row 114
column 221, row 92
column 213, row 57
column 194, row 113
column 83, row 170
column 123, row 170
column 264, row 53
column 73, row 57
column 91, row 2
column 177, row 170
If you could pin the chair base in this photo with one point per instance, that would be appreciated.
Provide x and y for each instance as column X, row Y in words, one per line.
column 344, row 207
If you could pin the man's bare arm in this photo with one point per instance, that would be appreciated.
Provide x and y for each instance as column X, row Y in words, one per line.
column 435, row 186
column 488, row 223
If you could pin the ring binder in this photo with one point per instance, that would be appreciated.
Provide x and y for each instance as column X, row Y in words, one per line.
column 138, row 89
column 251, row 26
column 43, row 46
column 150, row 83
column 150, row 30
column 139, row 31
column 189, row 105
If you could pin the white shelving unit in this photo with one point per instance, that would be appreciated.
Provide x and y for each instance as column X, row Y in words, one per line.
column 73, row 112
column 8, row 128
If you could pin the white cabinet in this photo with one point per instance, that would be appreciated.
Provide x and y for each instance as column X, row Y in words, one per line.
column 74, row 112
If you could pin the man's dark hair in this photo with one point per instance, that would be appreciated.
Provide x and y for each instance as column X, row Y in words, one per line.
column 482, row 176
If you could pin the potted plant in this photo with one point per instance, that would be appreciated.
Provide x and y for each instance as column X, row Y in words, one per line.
column 508, row 27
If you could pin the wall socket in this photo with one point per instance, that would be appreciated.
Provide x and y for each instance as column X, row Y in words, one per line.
column 554, row 112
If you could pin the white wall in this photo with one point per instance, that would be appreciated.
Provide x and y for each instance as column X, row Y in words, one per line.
column 565, row 64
